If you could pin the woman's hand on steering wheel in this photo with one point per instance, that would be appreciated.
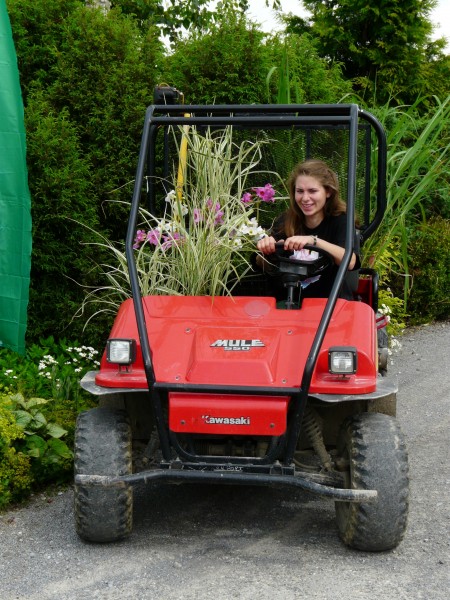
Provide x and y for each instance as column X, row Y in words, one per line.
column 267, row 244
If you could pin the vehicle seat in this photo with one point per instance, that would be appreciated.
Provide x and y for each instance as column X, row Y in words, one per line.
column 352, row 277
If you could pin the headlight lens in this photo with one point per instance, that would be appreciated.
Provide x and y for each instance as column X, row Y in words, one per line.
column 342, row 361
column 121, row 352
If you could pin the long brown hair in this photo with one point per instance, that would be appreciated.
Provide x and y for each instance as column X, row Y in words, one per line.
column 294, row 222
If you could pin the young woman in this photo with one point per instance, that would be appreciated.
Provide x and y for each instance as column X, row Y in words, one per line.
column 316, row 216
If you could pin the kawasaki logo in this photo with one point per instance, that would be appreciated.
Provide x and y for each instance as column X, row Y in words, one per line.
column 226, row 420
column 237, row 344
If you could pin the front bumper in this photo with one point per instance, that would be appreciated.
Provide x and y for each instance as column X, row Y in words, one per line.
column 386, row 388
column 177, row 476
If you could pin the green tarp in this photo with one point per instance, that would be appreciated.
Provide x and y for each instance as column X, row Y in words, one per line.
column 15, row 217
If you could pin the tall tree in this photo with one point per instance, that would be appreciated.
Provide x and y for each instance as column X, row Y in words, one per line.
column 384, row 46
column 175, row 16
column 227, row 65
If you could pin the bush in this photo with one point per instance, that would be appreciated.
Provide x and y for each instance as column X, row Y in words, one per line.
column 429, row 252
column 227, row 65
column 40, row 398
column 15, row 468
column 49, row 369
column 87, row 78
column 42, row 439
column 312, row 79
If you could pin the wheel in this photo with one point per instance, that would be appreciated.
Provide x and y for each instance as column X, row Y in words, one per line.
column 103, row 447
column 373, row 446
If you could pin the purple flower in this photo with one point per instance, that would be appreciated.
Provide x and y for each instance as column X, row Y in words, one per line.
column 246, row 198
column 153, row 236
column 266, row 193
column 170, row 240
column 218, row 218
column 197, row 215
column 140, row 237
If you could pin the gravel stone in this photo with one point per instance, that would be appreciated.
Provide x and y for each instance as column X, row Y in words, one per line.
column 222, row 542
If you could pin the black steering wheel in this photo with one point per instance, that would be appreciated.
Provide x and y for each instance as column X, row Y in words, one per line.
column 300, row 267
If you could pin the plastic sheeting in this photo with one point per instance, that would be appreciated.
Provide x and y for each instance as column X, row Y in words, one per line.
column 15, row 215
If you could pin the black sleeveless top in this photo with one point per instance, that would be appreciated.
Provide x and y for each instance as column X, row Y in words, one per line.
column 333, row 230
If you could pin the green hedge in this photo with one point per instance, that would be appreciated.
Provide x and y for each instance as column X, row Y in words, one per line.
column 87, row 78
column 429, row 251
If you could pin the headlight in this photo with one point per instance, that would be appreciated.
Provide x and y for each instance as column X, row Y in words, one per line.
column 121, row 352
column 342, row 360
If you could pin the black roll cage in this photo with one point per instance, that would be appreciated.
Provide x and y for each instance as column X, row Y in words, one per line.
column 255, row 116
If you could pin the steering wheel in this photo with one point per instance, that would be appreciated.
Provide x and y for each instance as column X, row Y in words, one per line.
column 303, row 268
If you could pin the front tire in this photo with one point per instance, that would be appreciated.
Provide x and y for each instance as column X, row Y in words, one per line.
column 103, row 446
column 374, row 447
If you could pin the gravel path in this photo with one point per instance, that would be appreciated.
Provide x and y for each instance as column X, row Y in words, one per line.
column 198, row 543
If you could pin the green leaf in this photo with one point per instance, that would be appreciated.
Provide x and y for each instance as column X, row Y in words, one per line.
column 38, row 420
column 60, row 448
column 18, row 399
column 35, row 446
column 23, row 418
column 32, row 402
column 55, row 431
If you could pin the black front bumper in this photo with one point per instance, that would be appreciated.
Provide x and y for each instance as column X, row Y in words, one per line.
column 223, row 476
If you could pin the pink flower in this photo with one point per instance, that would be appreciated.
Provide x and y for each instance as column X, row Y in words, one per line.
column 170, row 240
column 153, row 236
column 219, row 214
column 140, row 237
column 218, row 217
column 246, row 198
column 197, row 215
column 266, row 193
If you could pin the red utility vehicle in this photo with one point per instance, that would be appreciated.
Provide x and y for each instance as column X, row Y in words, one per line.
column 236, row 390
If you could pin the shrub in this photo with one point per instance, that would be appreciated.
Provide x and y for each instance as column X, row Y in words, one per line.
column 308, row 77
column 50, row 455
column 49, row 369
column 37, row 432
column 15, row 474
column 204, row 242
column 429, row 253
column 418, row 151
column 87, row 78
column 227, row 65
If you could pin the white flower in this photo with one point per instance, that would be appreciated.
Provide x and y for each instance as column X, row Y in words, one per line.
column 180, row 209
column 171, row 196
column 384, row 310
column 252, row 230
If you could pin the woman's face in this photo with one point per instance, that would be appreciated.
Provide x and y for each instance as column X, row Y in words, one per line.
column 310, row 196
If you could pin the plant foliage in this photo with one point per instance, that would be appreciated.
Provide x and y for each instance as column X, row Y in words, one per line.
column 203, row 243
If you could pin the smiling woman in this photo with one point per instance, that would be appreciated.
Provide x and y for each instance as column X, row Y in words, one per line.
column 315, row 217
